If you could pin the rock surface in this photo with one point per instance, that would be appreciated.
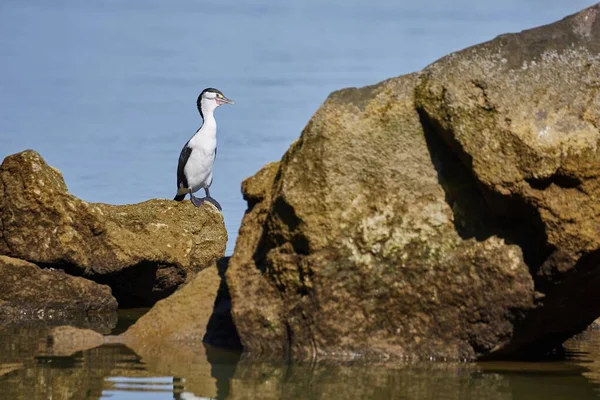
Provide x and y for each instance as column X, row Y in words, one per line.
column 522, row 112
column 142, row 251
column 446, row 214
column 197, row 313
column 193, row 364
column 184, row 317
column 170, row 338
column 29, row 291
column 350, row 247
column 66, row 340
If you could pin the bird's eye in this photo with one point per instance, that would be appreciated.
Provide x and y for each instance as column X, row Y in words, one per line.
column 219, row 95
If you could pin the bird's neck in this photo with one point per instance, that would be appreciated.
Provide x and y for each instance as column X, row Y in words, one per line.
column 209, row 125
column 208, row 131
column 208, row 115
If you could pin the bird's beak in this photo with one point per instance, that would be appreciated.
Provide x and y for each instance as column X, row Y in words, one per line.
column 225, row 100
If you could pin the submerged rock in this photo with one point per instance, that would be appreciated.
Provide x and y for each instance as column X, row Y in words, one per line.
column 66, row 340
column 43, row 376
column 446, row 214
column 27, row 291
column 142, row 251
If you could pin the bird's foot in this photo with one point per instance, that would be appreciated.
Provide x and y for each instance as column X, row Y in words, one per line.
column 198, row 202
column 214, row 202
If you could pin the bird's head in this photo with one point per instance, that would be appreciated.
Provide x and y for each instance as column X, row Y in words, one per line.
column 210, row 99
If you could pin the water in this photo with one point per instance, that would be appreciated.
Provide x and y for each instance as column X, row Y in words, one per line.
column 29, row 370
column 106, row 90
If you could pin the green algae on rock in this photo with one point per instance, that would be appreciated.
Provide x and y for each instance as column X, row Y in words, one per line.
column 142, row 251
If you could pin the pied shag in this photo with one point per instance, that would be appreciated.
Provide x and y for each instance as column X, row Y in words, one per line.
column 195, row 168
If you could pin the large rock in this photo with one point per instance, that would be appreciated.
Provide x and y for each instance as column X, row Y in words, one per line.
column 522, row 113
column 27, row 291
column 350, row 247
column 445, row 214
column 258, row 317
column 142, row 251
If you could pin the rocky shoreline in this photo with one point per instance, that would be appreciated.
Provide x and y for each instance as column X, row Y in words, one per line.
column 449, row 214
column 142, row 251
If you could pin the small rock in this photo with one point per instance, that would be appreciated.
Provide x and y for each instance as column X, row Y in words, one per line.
column 27, row 291
column 184, row 316
column 198, row 312
column 66, row 340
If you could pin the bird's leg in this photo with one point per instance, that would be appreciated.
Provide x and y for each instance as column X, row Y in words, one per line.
column 198, row 202
column 212, row 200
column 195, row 201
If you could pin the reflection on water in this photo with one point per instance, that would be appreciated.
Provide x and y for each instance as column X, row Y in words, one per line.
column 28, row 370
column 584, row 349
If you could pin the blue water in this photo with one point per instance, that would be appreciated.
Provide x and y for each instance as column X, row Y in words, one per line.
column 106, row 90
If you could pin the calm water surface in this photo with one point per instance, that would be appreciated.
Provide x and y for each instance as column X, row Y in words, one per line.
column 106, row 90
column 29, row 370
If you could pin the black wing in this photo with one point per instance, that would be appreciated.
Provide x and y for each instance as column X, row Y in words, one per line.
column 183, row 159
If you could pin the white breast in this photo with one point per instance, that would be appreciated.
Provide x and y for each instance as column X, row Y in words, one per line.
column 199, row 167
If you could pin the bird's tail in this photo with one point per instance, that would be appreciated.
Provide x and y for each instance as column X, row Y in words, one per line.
column 179, row 197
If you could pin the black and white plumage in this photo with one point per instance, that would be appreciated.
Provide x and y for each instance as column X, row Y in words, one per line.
column 195, row 168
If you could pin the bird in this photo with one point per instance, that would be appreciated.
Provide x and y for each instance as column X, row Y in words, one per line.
column 195, row 167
